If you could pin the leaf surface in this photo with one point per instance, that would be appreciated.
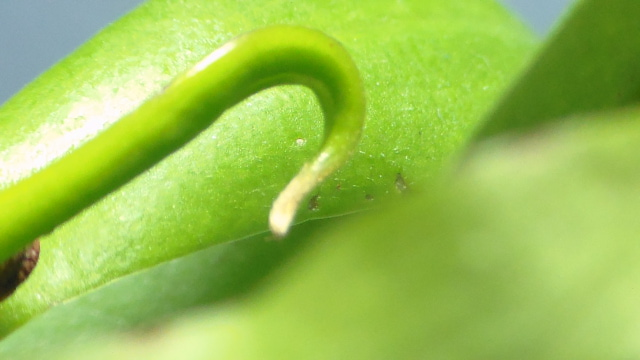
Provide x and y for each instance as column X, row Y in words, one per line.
column 431, row 70
column 590, row 63
column 549, row 273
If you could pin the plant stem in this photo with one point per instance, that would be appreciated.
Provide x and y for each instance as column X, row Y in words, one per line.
column 240, row 68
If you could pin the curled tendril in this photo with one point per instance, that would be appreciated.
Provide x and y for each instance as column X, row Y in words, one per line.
column 240, row 68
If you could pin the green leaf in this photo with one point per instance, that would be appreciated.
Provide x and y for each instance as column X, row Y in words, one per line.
column 431, row 69
column 589, row 64
column 243, row 66
column 148, row 298
column 550, row 272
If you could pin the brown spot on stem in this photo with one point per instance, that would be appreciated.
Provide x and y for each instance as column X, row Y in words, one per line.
column 17, row 269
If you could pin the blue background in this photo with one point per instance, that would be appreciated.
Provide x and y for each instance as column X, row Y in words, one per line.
column 34, row 34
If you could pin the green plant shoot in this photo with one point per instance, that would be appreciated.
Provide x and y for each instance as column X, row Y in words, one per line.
column 243, row 66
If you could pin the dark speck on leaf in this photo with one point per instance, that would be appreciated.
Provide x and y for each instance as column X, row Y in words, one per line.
column 401, row 185
column 313, row 203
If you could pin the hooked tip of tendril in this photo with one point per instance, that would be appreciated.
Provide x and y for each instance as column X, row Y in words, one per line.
column 285, row 206
column 280, row 222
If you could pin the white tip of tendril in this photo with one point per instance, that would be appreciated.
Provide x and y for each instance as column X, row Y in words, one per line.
column 285, row 206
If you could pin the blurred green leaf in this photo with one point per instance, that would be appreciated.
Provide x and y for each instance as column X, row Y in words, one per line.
column 148, row 298
column 589, row 64
column 530, row 252
column 431, row 70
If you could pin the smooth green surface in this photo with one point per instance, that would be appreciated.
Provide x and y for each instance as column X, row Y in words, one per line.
column 243, row 66
column 589, row 64
column 550, row 272
column 145, row 300
column 526, row 250
column 431, row 69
